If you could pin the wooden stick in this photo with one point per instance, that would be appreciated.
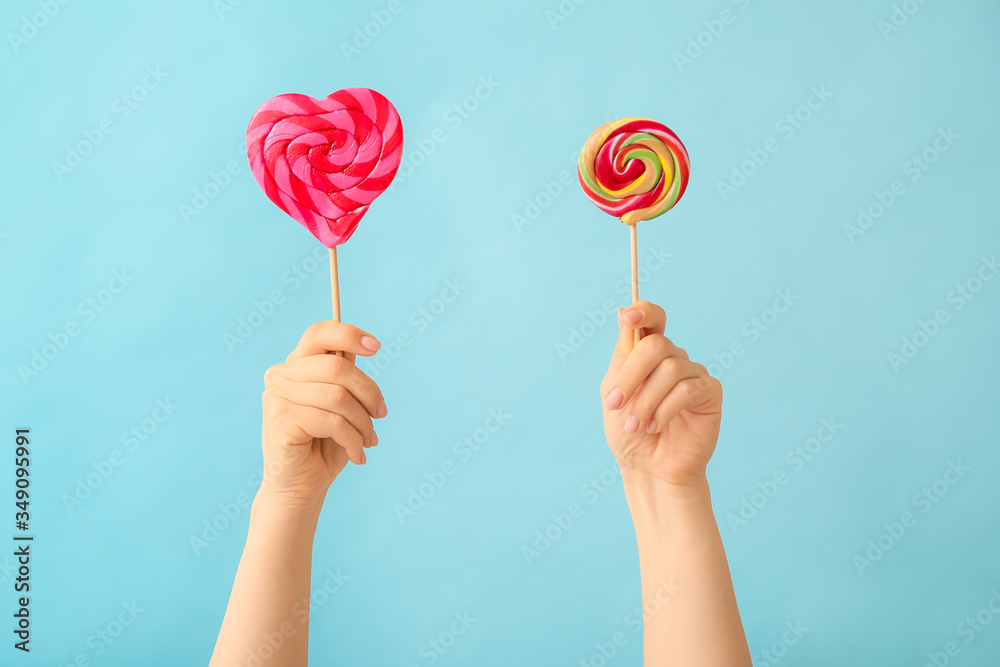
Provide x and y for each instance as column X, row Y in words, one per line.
column 635, row 274
column 335, row 287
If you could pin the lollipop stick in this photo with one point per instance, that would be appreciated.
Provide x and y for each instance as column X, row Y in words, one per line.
column 635, row 274
column 335, row 286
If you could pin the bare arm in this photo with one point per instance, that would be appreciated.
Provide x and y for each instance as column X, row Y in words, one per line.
column 662, row 414
column 268, row 613
column 318, row 412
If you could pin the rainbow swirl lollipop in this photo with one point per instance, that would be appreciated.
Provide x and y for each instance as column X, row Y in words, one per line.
column 634, row 168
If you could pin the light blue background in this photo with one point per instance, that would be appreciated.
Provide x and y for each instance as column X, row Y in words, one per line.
column 496, row 345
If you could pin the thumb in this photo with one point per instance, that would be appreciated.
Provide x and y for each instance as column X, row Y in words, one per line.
column 624, row 345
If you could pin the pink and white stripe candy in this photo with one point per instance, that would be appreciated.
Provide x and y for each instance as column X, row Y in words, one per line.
column 323, row 162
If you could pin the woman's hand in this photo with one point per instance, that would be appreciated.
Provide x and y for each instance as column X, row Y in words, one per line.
column 318, row 411
column 661, row 410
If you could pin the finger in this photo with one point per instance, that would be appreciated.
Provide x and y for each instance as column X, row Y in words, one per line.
column 329, row 336
column 667, row 374
column 317, row 423
column 648, row 353
column 688, row 394
column 646, row 316
column 331, row 369
column 332, row 398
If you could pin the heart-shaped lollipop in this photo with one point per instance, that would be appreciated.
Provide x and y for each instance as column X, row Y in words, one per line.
column 323, row 162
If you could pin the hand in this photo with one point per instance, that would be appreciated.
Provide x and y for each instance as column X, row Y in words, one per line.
column 661, row 410
column 318, row 411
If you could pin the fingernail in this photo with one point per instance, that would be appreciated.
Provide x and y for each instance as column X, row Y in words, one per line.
column 364, row 459
column 374, row 438
column 633, row 316
column 620, row 318
column 382, row 409
column 651, row 428
column 632, row 424
column 613, row 400
column 370, row 343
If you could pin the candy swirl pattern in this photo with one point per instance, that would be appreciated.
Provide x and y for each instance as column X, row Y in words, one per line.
column 323, row 162
column 634, row 168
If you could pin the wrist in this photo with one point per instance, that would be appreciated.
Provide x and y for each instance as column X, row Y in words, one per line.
column 652, row 500
column 295, row 510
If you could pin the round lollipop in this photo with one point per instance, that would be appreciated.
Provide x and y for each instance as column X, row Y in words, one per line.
column 636, row 169
column 323, row 162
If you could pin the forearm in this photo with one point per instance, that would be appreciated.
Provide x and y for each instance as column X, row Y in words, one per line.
column 270, row 597
column 690, row 611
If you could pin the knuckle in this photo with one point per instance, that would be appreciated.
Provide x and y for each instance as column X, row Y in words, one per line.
column 313, row 330
column 672, row 365
column 688, row 389
column 335, row 394
column 659, row 345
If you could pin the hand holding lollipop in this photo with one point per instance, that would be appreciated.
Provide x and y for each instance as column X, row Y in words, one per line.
column 636, row 169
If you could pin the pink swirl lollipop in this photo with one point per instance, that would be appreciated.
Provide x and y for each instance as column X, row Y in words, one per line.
column 323, row 162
